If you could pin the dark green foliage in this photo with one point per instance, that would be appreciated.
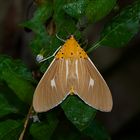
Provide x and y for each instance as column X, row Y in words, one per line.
column 17, row 77
column 98, row 9
column 10, row 129
column 44, row 130
column 96, row 131
column 74, row 120
column 36, row 24
column 78, row 112
column 5, row 107
column 76, row 9
column 121, row 29
column 7, row 63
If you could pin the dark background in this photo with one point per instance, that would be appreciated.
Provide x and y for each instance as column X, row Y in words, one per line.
column 119, row 66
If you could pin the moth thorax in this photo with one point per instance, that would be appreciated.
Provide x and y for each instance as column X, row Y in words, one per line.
column 63, row 53
column 71, row 49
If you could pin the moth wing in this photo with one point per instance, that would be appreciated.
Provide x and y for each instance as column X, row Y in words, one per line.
column 92, row 88
column 51, row 89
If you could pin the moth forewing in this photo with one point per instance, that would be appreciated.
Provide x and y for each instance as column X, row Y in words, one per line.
column 92, row 88
column 51, row 90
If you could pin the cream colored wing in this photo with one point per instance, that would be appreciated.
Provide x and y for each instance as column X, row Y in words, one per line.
column 91, row 87
column 52, row 89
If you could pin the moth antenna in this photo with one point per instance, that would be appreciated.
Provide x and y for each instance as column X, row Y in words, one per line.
column 51, row 55
column 60, row 38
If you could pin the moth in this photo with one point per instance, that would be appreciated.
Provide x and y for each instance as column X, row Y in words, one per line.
column 72, row 73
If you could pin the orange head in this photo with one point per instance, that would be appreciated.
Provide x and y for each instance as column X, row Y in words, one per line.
column 71, row 49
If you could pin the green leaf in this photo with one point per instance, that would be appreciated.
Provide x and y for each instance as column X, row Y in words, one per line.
column 65, row 25
column 22, row 88
column 44, row 130
column 96, row 131
column 55, row 43
column 15, row 77
column 10, row 129
column 79, row 113
column 123, row 27
column 41, row 15
column 76, row 9
column 65, row 130
column 5, row 107
column 37, row 25
column 43, row 12
column 17, row 66
column 58, row 11
column 97, row 9
column 18, row 107
column 40, row 42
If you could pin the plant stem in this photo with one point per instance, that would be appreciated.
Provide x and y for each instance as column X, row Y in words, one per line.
column 26, row 123
column 94, row 47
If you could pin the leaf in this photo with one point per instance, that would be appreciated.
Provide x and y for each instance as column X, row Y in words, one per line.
column 65, row 130
column 44, row 130
column 22, row 88
column 123, row 27
column 76, row 9
column 37, row 24
column 15, row 77
column 5, row 107
column 17, row 66
column 65, row 25
column 10, row 129
column 79, row 113
column 97, row 9
column 55, row 43
column 44, row 11
column 41, row 15
column 96, row 131
column 40, row 42
column 19, row 107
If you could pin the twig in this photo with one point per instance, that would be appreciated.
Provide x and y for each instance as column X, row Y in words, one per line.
column 26, row 123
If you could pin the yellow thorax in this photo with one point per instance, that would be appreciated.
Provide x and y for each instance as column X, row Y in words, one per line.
column 71, row 49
